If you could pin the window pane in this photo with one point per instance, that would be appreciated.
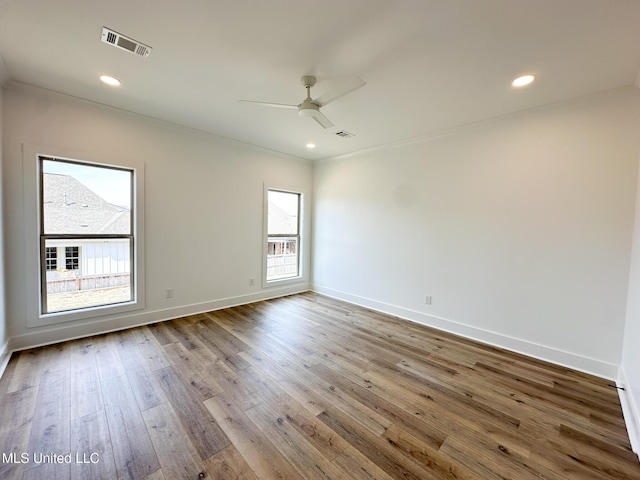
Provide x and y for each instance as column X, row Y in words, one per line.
column 100, row 274
column 283, row 213
column 282, row 259
column 85, row 199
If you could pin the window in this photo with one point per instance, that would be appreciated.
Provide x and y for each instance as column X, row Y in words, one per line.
column 71, row 256
column 283, row 235
column 86, row 213
column 51, row 258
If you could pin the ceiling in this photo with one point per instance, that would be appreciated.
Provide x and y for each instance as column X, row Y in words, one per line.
column 430, row 65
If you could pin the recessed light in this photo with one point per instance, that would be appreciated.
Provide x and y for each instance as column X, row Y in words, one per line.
column 523, row 80
column 109, row 80
column 311, row 145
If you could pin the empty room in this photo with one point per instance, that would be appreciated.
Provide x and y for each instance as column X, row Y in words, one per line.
column 285, row 239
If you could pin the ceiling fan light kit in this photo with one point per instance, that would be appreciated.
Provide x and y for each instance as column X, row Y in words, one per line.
column 308, row 109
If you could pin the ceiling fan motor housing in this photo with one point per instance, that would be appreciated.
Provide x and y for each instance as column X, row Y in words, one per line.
column 308, row 80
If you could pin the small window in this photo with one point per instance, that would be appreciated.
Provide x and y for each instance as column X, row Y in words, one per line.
column 87, row 216
column 283, row 235
column 72, row 257
column 51, row 258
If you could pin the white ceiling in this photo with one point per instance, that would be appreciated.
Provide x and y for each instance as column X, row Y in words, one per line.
column 429, row 64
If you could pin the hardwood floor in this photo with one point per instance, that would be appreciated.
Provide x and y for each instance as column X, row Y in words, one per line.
column 302, row 387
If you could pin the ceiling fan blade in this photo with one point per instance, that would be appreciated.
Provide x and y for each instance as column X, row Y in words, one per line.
column 322, row 120
column 269, row 104
column 347, row 86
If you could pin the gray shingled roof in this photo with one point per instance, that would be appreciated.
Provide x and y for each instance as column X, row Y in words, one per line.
column 280, row 221
column 72, row 208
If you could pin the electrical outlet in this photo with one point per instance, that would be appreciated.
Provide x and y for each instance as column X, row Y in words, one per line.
column 427, row 299
column 251, row 282
column 169, row 293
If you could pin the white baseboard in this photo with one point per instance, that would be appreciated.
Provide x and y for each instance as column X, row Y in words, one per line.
column 5, row 355
column 630, row 411
column 541, row 352
column 136, row 319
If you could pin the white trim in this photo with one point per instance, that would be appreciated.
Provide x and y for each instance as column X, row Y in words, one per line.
column 5, row 355
column 437, row 134
column 303, row 223
column 559, row 357
column 630, row 411
column 98, row 327
column 26, row 88
column 595, row 367
column 30, row 179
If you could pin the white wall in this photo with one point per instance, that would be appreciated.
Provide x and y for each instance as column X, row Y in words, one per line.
column 519, row 228
column 629, row 377
column 203, row 208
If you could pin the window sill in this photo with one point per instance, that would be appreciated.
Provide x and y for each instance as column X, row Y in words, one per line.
column 84, row 313
column 282, row 281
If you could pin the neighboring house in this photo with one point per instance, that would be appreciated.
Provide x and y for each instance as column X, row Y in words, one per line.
column 83, row 263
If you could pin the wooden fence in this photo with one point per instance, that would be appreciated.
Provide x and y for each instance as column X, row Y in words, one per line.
column 91, row 282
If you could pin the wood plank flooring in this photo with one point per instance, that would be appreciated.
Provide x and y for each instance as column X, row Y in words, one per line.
column 302, row 387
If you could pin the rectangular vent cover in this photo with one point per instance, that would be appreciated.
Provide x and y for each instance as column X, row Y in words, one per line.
column 125, row 43
column 344, row 134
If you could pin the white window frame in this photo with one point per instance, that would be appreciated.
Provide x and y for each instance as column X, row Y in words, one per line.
column 31, row 188
column 301, row 252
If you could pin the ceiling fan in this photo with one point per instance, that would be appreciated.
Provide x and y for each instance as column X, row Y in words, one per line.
column 310, row 107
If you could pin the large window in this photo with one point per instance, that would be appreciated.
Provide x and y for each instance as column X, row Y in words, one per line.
column 86, row 235
column 283, row 235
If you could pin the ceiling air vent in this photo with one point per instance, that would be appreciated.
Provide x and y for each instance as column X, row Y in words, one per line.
column 344, row 134
column 125, row 43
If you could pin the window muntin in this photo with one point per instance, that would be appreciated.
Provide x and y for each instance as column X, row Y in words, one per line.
column 283, row 235
column 86, row 214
